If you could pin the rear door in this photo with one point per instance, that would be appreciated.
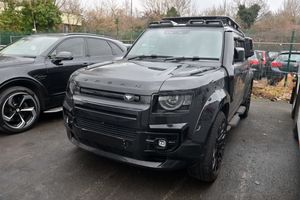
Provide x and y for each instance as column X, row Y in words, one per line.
column 98, row 50
column 241, row 70
column 59, row 74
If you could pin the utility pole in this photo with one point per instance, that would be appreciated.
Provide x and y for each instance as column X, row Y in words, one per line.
column 131, row 19
column 289, row 60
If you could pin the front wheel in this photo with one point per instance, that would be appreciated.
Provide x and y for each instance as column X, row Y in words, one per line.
column 20, row 109
column 207, row 169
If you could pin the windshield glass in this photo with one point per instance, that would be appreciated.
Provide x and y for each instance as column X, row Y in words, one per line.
column 29, row 46
column 285, row 57
column 180, row 42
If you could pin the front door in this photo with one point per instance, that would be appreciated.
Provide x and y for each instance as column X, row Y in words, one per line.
column 59, row 74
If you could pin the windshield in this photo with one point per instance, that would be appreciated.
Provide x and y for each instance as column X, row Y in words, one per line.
column 183, row 42
column 29, row 46
column 285, row 57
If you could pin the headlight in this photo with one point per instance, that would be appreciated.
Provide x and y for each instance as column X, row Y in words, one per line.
column 72, row 87
column 174, row 102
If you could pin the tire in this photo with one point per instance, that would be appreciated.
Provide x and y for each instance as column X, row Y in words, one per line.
column 207, row 169
column 19, row 109
column 247, row 103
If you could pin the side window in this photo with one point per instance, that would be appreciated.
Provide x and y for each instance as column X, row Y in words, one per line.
column 74, row 45
column 238, row 44
column 116, row 50
column 98, row 47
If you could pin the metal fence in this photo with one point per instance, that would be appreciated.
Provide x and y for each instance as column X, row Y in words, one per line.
column 10, row 37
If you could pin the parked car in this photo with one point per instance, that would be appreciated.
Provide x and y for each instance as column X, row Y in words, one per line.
column 271, row 56
column 295, row 101
column 34, row 73
column 255, row 62
column 169, row 103
column 263, row 56
column 279, row 67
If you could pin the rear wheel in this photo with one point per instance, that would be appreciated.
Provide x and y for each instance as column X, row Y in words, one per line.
column 207, row 169
column 19, row 109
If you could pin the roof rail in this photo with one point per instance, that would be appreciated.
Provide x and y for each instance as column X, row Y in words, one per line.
column 162, row 23
column 91, row 34
column 207, row 23
column 227, row 21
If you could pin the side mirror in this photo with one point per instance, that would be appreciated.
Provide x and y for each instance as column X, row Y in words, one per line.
column 249, row 47
column 239, row 54
column 128, row 46
column 61, row 56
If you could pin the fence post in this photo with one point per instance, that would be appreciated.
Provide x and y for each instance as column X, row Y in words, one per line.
column 289, row 59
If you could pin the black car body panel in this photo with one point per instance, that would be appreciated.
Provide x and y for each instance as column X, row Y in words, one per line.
column 295, row 101
column 40, row 74
column 113, row 109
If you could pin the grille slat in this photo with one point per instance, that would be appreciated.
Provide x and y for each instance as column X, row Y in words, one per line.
column 106, row 129
column 101, row 93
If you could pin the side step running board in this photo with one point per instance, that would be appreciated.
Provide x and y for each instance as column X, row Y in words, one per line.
column 236, row 118
column 54, row 110
column 241, row 110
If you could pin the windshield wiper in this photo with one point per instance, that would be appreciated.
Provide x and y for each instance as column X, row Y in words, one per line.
column 146, row 56
column 194, row 58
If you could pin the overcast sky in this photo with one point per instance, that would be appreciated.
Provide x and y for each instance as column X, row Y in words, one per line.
column 273, row 4
column 200, row 4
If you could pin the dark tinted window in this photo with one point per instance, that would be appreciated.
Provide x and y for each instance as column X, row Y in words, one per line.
column 98, row 47
column 116, row 49
column 73, row 45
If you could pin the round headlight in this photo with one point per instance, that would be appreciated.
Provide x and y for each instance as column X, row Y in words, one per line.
column 171, row 102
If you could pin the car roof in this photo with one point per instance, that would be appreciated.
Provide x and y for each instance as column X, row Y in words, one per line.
column 73, row 35
column 66, row 35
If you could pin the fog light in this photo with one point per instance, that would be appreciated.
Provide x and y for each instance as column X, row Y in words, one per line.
column 162, row 143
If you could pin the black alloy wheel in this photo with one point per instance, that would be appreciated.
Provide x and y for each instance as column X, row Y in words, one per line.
column 20, row 109
column 207, row 168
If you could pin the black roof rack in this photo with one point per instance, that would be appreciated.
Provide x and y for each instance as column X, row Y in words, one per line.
column 164, row 23
column 210, row 21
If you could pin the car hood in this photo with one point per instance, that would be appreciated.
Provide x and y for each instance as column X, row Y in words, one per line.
column 138, row 77
column 6, row 61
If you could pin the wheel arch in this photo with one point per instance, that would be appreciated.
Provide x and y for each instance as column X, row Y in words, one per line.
column 218, row 101
column 33, row 85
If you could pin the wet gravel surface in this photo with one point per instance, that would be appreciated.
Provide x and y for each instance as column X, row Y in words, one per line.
column 262, row 161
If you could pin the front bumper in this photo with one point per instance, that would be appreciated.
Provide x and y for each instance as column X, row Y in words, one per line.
column 135, row 144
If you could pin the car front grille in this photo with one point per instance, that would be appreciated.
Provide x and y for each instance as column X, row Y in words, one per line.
column 106, row 129
column 102, row 93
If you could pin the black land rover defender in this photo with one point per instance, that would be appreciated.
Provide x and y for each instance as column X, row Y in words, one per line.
column 170, row 102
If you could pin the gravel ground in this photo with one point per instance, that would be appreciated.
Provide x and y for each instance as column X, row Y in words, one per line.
column 262, row 161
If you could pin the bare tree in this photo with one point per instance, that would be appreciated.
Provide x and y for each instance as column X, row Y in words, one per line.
column 160, row 7
column 73, row 13
column 225, row 9
column 264, row 6
column 291, row 8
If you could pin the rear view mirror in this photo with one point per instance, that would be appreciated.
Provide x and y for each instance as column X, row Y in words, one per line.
column 239, row 54
column 61, row 56
column 249, row 47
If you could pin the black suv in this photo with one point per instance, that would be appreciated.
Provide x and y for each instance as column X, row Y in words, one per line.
column 35, row 70
column 169, row 103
